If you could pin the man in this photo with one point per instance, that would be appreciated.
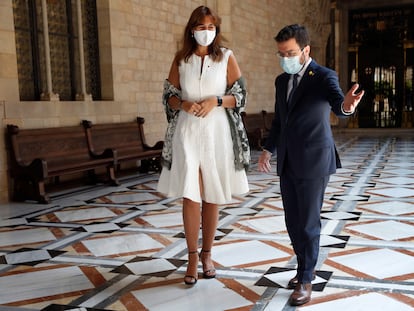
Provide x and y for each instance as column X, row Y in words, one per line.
column 306, row 153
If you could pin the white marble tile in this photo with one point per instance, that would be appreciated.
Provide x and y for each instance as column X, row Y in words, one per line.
column 326, row 240
column 386, row 230
column 95, row 261
column 344, row 171
column 240, row 253
column 390, row 207
column 17, row 209
column 372, row 285
column 29, row 256
column 206, row 295
column 12, row 222
column 121, row 244
column 331, row 189
column 394, row 192
column 400, row 171
column 329, row 226
column 398, row 180
column 132, row 197
column 403, row 164
column 43, row 283
column 368, row 302
column 265, row 195
column 101, row 227
column 239, row 211
column 275, row 203
column 380, row 263
column 164, row 220
column 253, row 187
column 266, row 224
column 150, row 266
column 337, row 178
column 26, row 236
column 84, row 214
column 152, row 207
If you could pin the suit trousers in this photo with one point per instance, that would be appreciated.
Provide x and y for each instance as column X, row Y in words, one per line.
column 302, row 203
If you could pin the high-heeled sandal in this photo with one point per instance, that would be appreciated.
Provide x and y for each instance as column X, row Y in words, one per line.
column 191, row 279
column 209, row 273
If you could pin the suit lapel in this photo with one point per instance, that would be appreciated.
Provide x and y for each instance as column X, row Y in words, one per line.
column 284, row 86
column 303, row 85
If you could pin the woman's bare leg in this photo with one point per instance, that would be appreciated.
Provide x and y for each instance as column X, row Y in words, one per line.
column 209, row 219
column 191, row 219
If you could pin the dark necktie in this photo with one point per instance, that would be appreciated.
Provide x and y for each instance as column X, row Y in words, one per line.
column 294, row 86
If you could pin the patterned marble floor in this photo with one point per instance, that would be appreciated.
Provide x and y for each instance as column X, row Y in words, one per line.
column 122, row 248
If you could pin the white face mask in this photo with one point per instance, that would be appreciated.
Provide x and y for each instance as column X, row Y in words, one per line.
column 204, row 37
column 291, row 65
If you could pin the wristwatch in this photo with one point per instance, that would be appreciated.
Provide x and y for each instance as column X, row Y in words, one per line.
column 219, row 101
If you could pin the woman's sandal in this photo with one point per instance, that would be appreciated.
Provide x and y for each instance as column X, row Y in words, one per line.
column 191, row 279
column 207, row 273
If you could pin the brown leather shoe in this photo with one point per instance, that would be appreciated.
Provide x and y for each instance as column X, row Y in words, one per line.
column 294, row 281
column 301, row 294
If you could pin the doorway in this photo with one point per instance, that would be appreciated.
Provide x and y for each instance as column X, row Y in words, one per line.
column 381, row 58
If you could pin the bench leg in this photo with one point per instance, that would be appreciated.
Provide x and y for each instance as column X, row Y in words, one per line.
column 153, row 164
column 26, row 188
column 111, row 174
column 20, row 189
column 41, row 193
column 144, row 166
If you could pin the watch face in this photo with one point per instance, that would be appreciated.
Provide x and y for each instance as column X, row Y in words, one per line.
column 219, row 101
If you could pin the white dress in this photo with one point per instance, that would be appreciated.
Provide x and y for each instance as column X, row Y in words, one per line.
column 203, row 144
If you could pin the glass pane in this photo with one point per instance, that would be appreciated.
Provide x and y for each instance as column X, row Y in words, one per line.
column 23, row 50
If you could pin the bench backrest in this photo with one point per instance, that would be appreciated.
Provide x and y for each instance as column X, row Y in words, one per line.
column 252, row 121
column 47, row 143
column 267, row 119
column 117, row 136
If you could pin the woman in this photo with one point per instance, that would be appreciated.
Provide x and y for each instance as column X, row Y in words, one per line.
column 206, row 151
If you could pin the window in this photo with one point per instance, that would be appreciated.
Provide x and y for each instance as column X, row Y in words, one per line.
column 63, row 34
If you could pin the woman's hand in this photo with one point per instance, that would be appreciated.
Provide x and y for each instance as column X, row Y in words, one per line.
column 205, row 106
column 190, row 107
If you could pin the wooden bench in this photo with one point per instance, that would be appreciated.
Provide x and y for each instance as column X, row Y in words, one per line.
column 267, row 120
column 128, row 140
column 37, row 156
column 257, row 127
column 254, row 124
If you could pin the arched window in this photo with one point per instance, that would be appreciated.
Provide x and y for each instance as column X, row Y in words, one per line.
column 57, row 64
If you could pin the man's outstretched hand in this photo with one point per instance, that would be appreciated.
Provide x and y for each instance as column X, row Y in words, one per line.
column 352, row 99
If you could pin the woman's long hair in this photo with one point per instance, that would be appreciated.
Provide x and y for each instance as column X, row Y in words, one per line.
column 190, row 44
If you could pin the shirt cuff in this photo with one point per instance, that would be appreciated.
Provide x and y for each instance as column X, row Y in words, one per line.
column 267, row 151
column 347, row 113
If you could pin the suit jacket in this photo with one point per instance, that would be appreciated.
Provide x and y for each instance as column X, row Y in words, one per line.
column 301, row 133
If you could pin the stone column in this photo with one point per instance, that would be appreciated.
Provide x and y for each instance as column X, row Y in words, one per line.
column 82, row 95
column 49, row 95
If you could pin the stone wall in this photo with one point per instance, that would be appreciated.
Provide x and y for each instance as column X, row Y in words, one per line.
column 137, row 42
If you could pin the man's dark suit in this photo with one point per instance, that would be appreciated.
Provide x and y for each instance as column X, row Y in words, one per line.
column 306, row 156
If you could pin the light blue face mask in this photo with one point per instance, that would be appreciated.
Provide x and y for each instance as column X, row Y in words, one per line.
column 291, row 65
